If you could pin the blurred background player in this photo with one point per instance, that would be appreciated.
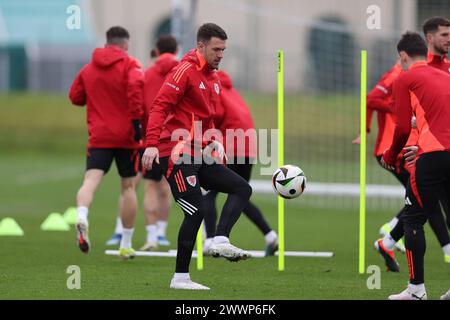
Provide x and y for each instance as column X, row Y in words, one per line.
column 234, row 114
column 157, row 197
column 111, row 86
column 437, row 33
column 430, row 175
column 185, row 106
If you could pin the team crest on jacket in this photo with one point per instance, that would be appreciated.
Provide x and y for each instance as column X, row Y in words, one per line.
column 216, row 88
column 192, row 180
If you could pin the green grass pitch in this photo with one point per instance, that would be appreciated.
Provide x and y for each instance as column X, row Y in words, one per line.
column 41, row 170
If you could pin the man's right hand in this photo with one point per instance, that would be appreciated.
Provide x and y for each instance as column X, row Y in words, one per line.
column 150, row 154
column 357, row 140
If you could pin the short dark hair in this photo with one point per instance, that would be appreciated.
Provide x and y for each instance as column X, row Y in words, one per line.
column 209, row 30
column 166, row 44
column 116, row 35
column 413, row 44
column 432, row 24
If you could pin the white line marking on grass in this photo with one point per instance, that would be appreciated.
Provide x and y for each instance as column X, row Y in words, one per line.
column 254, row 253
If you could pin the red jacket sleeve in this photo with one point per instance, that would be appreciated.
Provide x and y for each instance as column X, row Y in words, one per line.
column 77, row 93
column 135, row 87
column 378, row 100
column 167, row 98
column 403, row 113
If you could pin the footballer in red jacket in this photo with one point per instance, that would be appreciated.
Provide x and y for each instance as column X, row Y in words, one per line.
column 430, row 176
column 240, row 141
column 111, row 88
column 181, row 116
column 157, row 197
column 437, row 33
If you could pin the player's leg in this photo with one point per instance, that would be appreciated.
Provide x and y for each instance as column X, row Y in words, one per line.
column 98, row 162
column 118, row 229
column 165, row 201
column 151, row 192
column 189, row 197
column 403, row 177
column 220, row 178
column 253, row 212
column 439, row 227
column 127, row 162
column 210, row 218
column 422, row 197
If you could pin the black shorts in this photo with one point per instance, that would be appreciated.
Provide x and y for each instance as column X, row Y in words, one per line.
column 430, row 181
column 185, row 179
column 155, row 174
column 127, row 160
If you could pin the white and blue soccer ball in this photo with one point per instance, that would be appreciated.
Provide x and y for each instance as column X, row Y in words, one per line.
column 289, row 181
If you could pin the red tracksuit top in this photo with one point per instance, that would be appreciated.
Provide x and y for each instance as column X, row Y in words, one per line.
column 111, row 87
column 154, row 79
column 190, row 93
column 380, row 100
column 233, row 113
column 430, row 87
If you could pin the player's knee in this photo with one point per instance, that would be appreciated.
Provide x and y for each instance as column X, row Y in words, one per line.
column 244, row 190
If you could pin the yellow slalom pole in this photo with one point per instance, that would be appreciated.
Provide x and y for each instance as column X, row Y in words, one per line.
column 362, row 165
column 200, row 248
column 280, row 157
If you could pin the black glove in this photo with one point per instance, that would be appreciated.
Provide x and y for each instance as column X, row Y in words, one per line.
column 137, row 130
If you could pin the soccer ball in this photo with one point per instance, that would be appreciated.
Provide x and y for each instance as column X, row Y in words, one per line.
column 289, row 181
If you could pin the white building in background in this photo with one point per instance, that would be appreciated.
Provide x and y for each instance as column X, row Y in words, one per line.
column 321, row 38
column 257, row 28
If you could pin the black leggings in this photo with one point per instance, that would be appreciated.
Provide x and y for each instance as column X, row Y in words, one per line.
column 251, row 211
column 185, row 181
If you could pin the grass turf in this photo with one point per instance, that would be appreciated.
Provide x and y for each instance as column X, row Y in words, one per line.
column 42, row 140
column 34, row 266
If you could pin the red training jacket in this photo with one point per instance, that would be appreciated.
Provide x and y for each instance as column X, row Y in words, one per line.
column 191, row 92
column 111, row 87
column 233, row 113
column 154, row 79
column 430, row 88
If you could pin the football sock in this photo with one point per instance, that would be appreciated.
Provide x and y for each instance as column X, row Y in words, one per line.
column 151, row 233
column 119, row 226
column 220, row 239
column 388, row 242
column 392, row 223
column 161, row 226
column 446, row 249
column 270, row 237
column 181, row 276
column 125, row 242
column 82, row 214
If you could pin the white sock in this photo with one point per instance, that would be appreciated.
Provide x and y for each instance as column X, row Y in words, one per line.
column 161, row 228
column 151, row 233
column 388, row 242
column 82, row 214
column 127, row 234
column 393, row 223
column 220, row 239
column 119, row 226
column 417, row 287
column 271, row 237
column 181, row 276
column 446, row 249
column 208, row 243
